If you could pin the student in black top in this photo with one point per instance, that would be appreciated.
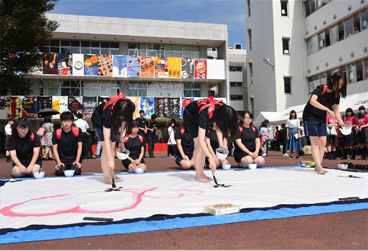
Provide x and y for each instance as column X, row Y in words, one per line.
column 315, row 112
column 213, row 144
column 151, row 134
column 106, row 120
column 24, row 149
column 283, row 138
column 134, row 143
column 142, row 126
column 197, row 116
column 247, row 143
column 67, row 146
column 185, row 146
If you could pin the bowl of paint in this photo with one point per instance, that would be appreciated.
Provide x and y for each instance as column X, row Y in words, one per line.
column 342, row 166
column 69, row 173
column 226, row 166
column 139, row 170
column 221, row 153
column 252, row 166
column 38, row 175
column 122, row 153
column 303, row 163
column 346, row 130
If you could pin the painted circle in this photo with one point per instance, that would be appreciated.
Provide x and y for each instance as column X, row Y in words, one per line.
column 78, row 65
column 88, row 62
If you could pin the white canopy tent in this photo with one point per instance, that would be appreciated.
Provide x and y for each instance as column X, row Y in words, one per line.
column 284, row 116
column 266, row 115
column 354, row 101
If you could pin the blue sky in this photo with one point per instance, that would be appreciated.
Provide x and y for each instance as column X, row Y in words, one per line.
column 227, row 12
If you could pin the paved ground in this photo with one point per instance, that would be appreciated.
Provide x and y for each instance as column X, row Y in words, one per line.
column 347, row 230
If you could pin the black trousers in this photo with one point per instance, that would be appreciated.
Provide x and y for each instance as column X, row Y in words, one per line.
column 171, row 149
column 283, row 147
column 87, row 146
column 144, row 141
column 60, row 172
column 151, row 145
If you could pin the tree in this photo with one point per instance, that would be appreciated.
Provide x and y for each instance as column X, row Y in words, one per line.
column 24, row 29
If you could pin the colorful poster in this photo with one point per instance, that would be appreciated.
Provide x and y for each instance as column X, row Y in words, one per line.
column 134, row 66
column 200, row 70
column 90, row 65
column 184, row 103
column 161, row 67
column 59, row 103
column 43, row 103
column 78, row 69
column 147, row 67
column 137, row 103
column 119, row 66
column 105, row 65
column 161, row 107
column 89, row 105
column 75, row 105
column 174, row 108
column 147, row 105
column 50, row 63
column 29, row 107
column 14, row 106
column 65, row 64
column 174, row 67
column 187, row 67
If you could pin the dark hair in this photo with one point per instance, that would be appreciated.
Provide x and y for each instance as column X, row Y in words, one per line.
column 134, row 124
column 277, row 127
column 47, row 119
column 334, row 83
column 349, row 110
column 11, row 119
column 66, row 116
column 242, row 116
column 266, row 121
column 141, row 111
column 292, row 111
column 282, row 125
column 22, row 122
column 301, row 122
column 123, row 108
column 362, row 108
column 173, row 122
column 226, row 120
column 79, row 115
column 153, row 116
column 264, row 124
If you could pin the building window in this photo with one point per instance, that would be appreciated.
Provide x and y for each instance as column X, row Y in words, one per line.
column 312, row 45
column 249, row 8
column 285, row 46
column 192, row 89
column 364, row 19
column 287, row 84
column 349, row 26
column 250, row 39
column 359, row 70
column 251, row 72
column 284, row 8
column 236, row 97
column 366, row 68
column 327, row 37
column 138, row 89
column 341, row 31
column 236, row 68
column 321, row 40
column 236, row 84
column 352, row 73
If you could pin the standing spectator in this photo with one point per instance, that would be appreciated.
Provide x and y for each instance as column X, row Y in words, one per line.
column 142, row 126
column 293, row 143
column 363, row 132
column 277, row 140
column 83, row 125
column 41, row 133
column 8, row 133
column 332, row 140
column 303, row 139
column 350, row 140
column 283, row 138
column 171, row 143
column 49, row 127
column 265, row 138
column 151, row 135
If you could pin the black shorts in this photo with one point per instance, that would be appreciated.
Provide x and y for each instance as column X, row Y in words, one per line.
column 127, row 162
column 178, row 158
column 99, row 132
column 26, row 163
column 190, row 125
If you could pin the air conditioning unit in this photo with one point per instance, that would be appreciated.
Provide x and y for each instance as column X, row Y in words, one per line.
column 238, row 46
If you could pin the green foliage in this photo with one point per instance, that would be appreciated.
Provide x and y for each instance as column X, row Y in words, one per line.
column 24, row 28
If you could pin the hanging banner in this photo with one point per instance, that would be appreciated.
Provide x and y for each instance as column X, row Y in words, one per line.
column 161, row 67
column 90, row 65
column 59, row 103
column 14, row 107
column 161, row 107
column 89, row 105
column 174, row 67
column 200, row 70
column 174, row 108
column 50, row 63
column 147, row 67
column 65, row 64
column 119, row 66
column 105, row 65
column 134, row 66
column 75, row 105
column 78, row 69
column 137, row 103
column 184, row 103
column 29, row 107
column 43, row 103
column 147, row 105
column 187, row 67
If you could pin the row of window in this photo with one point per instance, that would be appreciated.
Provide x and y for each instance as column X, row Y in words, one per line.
column 344, row 29
column 236, row 97
column 236, row 84
column 164, row 50
column 235, row 68
column 82, row 47
column 314, row 5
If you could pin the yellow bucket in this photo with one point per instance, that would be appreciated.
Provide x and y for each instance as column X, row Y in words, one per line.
column 308, row 149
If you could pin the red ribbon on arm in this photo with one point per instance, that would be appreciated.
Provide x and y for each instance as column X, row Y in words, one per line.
column 113, row 100
column 210, row 103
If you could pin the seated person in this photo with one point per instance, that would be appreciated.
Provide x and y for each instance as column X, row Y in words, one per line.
column 213, row 144
column 134, row 143
column 185, row 147
column 67, row 146
column 247, row 143
column 24, row 148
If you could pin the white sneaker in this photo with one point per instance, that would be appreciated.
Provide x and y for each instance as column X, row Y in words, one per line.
column 285, row 154
column 264, row 155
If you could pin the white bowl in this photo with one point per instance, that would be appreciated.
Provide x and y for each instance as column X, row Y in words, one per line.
column 346, row 130
column 139, row 170
column 342, row 166
column 221, row 153
column 122, row 154
column 226, row 166
column 69, row 173
column 38, row 175
column 252, row 166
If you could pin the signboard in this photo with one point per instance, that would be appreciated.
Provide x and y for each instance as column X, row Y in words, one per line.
column 200, row 68
column 174, row 67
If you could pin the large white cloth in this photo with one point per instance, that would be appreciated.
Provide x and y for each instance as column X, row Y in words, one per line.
column 82, row 124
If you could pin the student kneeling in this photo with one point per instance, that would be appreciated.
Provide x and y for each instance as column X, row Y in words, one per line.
column 135, row 144
column 24, row 148
column 185, row 144
column 68, row 143
column 213, row 144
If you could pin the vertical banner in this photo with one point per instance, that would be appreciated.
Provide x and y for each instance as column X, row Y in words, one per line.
column 174, row 108
column 65, row 64
column 200, row 70
column 43, row 103
column 184, row 103
column 90, row 65
column 75, row 104
column 89, row 105
column 148, row 67
column 137, row 103
column 187, row 67
column 59, row 103
column 174, row 67
column 147, row 105
column 50, row 63
column 105, row 65
column 78, row 69
column 161, row 67
column 119, row 66
column 161, row 107
column 14, row 106
column 134, row 66
column 29, row 107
